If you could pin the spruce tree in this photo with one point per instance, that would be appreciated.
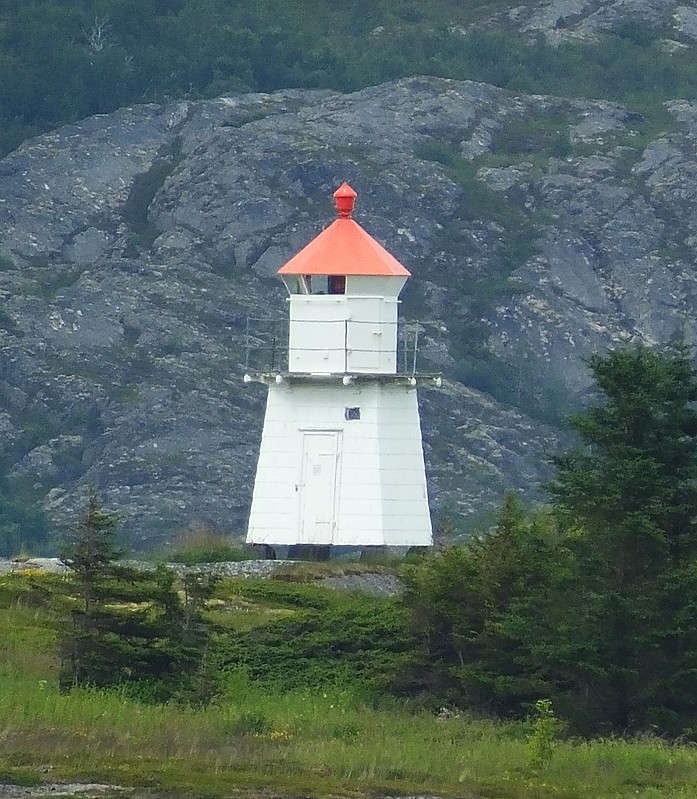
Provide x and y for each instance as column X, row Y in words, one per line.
column 491, row 614
column 90, row 551
column 128, row 628
column 629, row 497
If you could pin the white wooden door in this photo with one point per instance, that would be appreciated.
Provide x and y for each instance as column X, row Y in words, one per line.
column 318, row 486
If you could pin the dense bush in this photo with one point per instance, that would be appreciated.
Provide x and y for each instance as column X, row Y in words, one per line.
column 358, row 642
column 487, row 612
column 285, row 594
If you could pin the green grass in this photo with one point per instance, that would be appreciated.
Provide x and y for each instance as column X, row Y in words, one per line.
column 311, row 742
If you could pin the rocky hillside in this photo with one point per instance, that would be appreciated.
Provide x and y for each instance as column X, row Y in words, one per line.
column 564, row 21
column 134, row 245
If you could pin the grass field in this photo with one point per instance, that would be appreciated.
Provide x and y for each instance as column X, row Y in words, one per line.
column 322, row 742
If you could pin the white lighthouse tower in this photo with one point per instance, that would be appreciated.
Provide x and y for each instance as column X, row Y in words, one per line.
column 341, row 460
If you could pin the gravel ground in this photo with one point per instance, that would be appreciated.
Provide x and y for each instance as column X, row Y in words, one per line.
column 375, row 584
column 88, row 789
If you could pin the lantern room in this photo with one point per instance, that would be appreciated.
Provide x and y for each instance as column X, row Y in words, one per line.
column 344, row 295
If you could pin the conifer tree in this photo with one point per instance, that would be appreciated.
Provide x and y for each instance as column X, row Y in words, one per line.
column 128, row 628
column 91, row 551
column 631, row 494
column 488, row 613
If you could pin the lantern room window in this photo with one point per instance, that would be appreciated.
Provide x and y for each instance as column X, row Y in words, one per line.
column 336, row 284
column 316, row 284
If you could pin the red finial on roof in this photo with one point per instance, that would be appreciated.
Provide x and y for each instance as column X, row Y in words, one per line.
column 344, row 248
column 345, row 199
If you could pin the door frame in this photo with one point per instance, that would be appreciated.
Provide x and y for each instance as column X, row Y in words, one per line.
column 337, row 434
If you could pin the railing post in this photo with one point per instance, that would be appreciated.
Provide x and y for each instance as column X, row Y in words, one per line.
column 246, row 345
column 416, row 345
column 273, row 346
column 405, row 345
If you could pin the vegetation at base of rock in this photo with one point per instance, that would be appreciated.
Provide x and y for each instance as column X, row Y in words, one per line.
column 64, row 62
column 22, row 524
column 575, row 619
column 313, row 741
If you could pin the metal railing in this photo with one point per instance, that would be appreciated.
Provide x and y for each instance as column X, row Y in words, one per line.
column 267, row 343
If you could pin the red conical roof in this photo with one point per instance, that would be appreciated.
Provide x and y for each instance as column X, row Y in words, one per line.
column 344, row 248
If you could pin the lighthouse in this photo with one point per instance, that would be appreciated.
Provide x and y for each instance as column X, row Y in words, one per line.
column 341, row 459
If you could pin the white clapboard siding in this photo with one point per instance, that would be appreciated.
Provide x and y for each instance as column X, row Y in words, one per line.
column 325, row 479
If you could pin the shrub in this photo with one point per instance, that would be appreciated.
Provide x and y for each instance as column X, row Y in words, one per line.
column 250, row 723
column 358, row 642
column 199, row 544
column 282, row 594
column 543, row 735
column 435, row 150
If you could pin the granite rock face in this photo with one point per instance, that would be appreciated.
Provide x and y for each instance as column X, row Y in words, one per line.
column 563, row 21
column 134, row 247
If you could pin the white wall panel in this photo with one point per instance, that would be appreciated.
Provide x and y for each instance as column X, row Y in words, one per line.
column 317, row 336
column 380, row 485
column 354, row 332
